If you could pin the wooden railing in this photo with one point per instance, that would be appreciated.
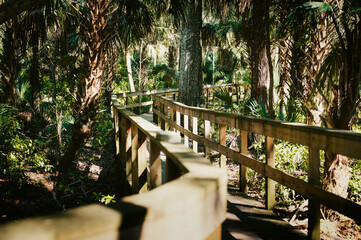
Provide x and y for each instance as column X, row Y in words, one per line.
column 190, row 205
column 139, row 99
column 170, row 114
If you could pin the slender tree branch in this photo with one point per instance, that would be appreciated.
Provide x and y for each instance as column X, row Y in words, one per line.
column 11, row 9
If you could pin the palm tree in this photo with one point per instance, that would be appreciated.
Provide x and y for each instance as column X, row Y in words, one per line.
column 95, row 32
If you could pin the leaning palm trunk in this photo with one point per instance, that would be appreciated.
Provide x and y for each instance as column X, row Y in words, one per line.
column 344, row 108
column 93, row 30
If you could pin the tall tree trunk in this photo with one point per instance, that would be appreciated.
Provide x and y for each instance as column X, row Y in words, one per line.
column 190, row 76
column 260, row 62
column 9, row 62
column 89, row 88
column 129, row 69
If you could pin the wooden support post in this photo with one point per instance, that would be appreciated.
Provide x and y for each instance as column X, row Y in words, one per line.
column 134, row 163
column 186, row 127
column 314, row 214
column 207, row 97
column 139, row 101
column 155, row 116
column 155, row 166
column 243, row 170
column 207, row 135
column 171, row 117
column 270, row 184
column 126, row 101
column 118, row 164
column 237, row 93
column 195, row 131
column 166, row 113
column 162, row 125
column 222, row 141
column 151, row 106
column 142, row 162
column 125, row 155
column 178, row 120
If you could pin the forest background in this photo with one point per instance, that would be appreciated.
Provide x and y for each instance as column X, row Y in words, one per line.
column 61, row 60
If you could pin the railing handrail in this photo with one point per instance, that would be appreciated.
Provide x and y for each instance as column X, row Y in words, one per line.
column 317, row 138
column 328, row 139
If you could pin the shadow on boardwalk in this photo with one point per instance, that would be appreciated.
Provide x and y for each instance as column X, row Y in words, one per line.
column 248, row 219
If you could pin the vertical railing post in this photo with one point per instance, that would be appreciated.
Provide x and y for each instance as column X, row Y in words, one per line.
column 166, row 114
column 155, row 165
column 195, row 131
column 155, row 107
column 118, row 165
column 171, row 117
column 207, row 135
column 314, row 214
column 270, row 184
column 178, row 120
column 172, row 171
column 207, row 97
column 162, row 121
column 134, row 162
column 125, row 155
column 151, row 106
column 243, row 170
column 237, row 93
column 222, row 141
column 139, row 101
column 186, row 127
column 142, row 162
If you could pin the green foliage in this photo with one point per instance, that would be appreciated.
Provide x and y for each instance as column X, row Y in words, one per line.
column 354, row 186
column 103, row 131
column 255, row 108
column 17, row 151
column 105, row 199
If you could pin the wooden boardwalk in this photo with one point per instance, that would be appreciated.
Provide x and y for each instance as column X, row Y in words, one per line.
column 248, row 219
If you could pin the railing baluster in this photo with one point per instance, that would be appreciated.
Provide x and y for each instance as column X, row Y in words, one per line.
column 155, row 165
column 270, row 184
column 142, row 162
column 186, row 127
column 195, row 131
column 243, row 170
column 207, row 135
column 134, row 162
column 222, row 141
column 314, row 214
column 166, row 113
column 171, row 117
column 125, row 155
column 178, row 120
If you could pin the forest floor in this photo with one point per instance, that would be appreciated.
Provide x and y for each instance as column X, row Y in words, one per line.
column 90, row 181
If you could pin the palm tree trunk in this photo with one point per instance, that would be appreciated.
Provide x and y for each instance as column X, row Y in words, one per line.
column 129, row 69
column 89, row 88
column 342, row 111
column 190, row 75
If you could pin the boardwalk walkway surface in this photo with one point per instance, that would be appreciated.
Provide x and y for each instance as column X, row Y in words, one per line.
column 247, row 219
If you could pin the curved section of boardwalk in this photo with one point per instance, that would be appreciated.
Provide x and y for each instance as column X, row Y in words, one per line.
column 248, row 219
